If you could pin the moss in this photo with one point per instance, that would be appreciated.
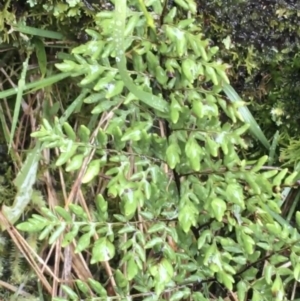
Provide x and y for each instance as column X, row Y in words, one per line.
column 265, row 39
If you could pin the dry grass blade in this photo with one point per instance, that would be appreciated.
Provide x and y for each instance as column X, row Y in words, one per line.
column 15, row 289
column 78, row 262
column 27, row 252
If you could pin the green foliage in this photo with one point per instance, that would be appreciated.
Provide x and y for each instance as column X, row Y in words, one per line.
column 182, row 215
column 163, row 204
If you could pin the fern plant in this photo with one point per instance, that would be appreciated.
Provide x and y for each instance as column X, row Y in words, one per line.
column 161, row 206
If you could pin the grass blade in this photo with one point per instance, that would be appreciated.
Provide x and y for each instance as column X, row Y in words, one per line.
column 38, row 32
column 72, row 107
column 24, row 183
column 40, row 84
column 246, row 114
column 21, row 84
column 273, row 148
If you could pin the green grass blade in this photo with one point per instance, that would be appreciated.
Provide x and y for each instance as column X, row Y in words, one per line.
column 40, row 84
column 246, row 114
column 71, row 108
column 41, row 55
column 279, row 219
column 4, row 126
column 293, row 207
column 21, row 84
column 273, row 148
column 38, row 32
column 24, row 183
column 149, row 99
